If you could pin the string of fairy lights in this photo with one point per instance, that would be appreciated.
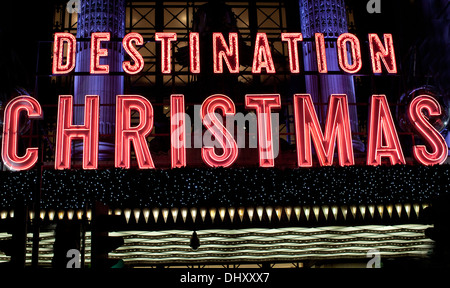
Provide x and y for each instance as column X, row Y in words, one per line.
column 190, row 187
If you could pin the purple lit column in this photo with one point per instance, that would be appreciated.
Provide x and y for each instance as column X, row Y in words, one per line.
column 100, row 16
column 327, row 17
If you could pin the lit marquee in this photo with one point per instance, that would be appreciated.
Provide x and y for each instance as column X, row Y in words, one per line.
column 383, row 140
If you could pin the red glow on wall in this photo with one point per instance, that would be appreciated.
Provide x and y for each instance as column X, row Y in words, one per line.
column 439, row 148
column 166, row 57
column 382, row 136
column 66, row 132
column 58, row 53
column 11, row 127
column 293, row 39
column 218, row 131
column 385, row 53
column 137, row 58
column 224, row 52
column 262, row 57
column 96, row 52
column 127, row 132
column 337, row 126
column 177, row 131
column 355, row 51
column 263, row 104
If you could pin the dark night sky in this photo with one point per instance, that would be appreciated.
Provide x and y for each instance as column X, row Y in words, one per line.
column 22, row 25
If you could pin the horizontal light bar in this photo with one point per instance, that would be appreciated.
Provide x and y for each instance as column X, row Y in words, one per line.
column 254, row 244
column 326, row 213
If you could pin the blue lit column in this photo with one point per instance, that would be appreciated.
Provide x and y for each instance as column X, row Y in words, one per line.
column 100, row 16
column 327, row 17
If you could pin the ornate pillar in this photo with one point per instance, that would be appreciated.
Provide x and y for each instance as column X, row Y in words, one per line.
column 327, row 17
column 100, row 16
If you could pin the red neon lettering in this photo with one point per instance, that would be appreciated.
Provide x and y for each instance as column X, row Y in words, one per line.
column 263, row 105
column 218, row 130
column 262, row 50
column 320, row 53
column 97, row 52
column 337, row 126
column 133, row 52
column 66, row 132
column 385, row 53
column 439, row 149
column 355, row 49
column 292, row 39
column 194, row 52
column 58, row 53
column 177, row 131
column 10, row 133
column 126, row 133
column 382, row 139
column 221, row 51
column 166, row 38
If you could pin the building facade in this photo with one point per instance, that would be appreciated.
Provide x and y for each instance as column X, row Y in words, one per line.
column 244, row 215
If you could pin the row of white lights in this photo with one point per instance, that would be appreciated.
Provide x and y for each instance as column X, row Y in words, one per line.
column 233, row 213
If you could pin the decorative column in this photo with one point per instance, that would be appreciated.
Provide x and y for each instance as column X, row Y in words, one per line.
column 100, row 16
column 328, row 17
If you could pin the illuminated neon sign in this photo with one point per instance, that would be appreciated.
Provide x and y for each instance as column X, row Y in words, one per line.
column 227, row 50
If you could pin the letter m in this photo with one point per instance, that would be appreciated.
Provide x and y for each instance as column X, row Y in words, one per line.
column 337, row 126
